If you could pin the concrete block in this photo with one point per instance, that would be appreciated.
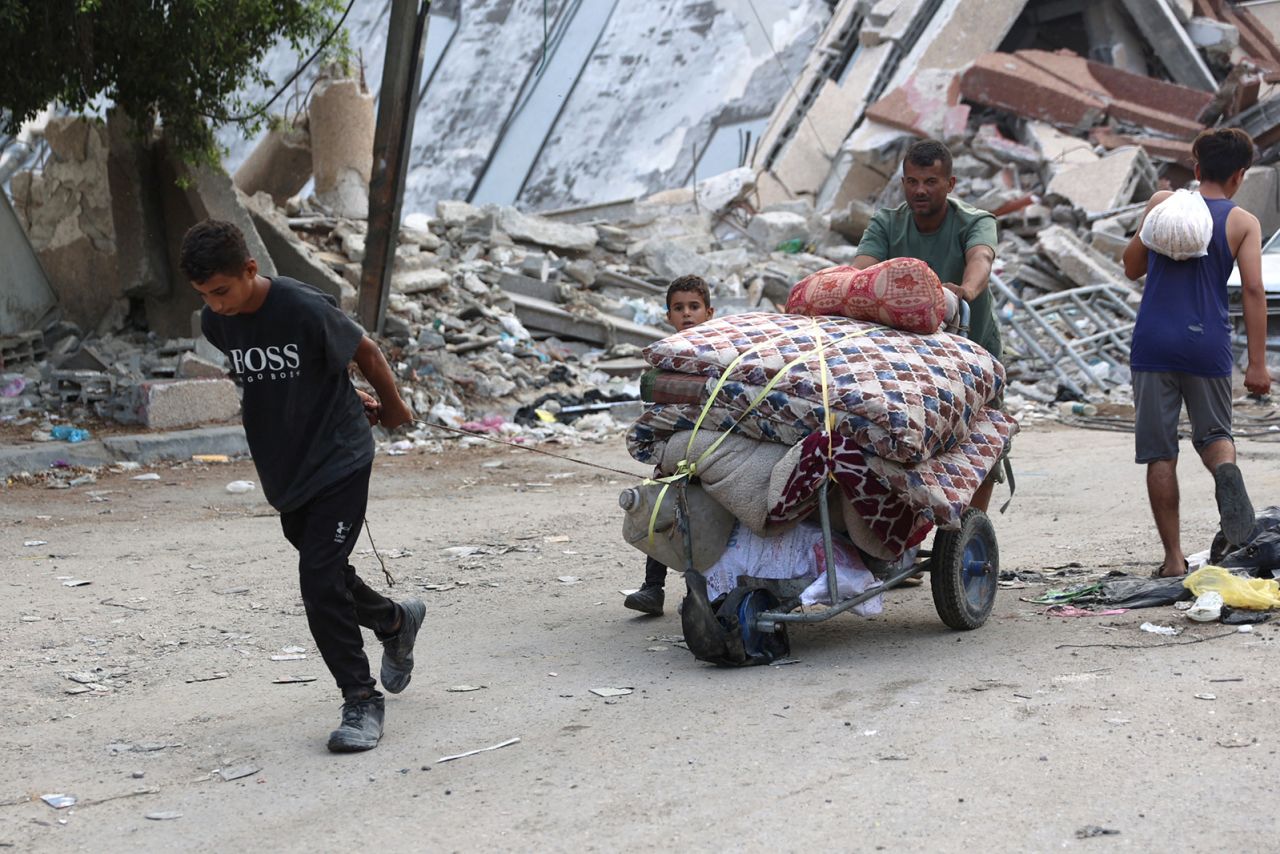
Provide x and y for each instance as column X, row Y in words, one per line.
column 530, row 228
column 167, row 404
column 341, row 121
column 279, row 165
column 718, row 192
column 1123, row 176
column 1115, row 85
column 1009, row 82
column 419, row 281
column 775, row 227
column 1170, row 42
column 670, row 260
column 1157, row 148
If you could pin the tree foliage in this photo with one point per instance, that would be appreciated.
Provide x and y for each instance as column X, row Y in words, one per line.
column 183, row 62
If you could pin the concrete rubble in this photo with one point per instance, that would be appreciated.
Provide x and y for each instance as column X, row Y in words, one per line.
column 517, row 323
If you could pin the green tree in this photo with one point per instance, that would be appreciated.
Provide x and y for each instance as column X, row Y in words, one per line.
column 182, row 62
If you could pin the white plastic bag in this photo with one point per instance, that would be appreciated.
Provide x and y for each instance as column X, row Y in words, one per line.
column 1180, row 227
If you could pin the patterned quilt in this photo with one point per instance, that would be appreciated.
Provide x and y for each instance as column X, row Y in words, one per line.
column 898, row 395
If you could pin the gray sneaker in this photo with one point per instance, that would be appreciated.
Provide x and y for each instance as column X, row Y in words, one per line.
column 397, row 650
column 361, row 725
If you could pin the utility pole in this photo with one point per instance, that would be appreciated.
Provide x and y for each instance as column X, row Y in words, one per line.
column 397, row 103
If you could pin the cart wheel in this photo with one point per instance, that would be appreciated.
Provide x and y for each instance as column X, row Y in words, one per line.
column 965, row 566
column 738, row 614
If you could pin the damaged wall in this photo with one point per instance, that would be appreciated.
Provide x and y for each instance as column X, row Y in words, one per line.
column 661, row 76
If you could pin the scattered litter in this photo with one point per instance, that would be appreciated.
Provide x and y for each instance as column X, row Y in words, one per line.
column 164, row 815
column 32, row 543
column 30, row 618
column 1168, row 631
column 892, row 757
column 230, row 591
column 1245, row 629
column 292, row 680
column 569, row 579
column 1206, row 696
column 870, row 732
column 558, row 538
column 655, row 649
column 238, row 487
column 75, row 582
column 1229, row 679
column 210, row 458
column 611, row 692
column 67, row 433
column 498, row 746
column 294, row 649
column 1237, row 741
column 59, row 801
column 229, row 774
column 781, row 662
column 1091, row 830
column 212, row 676
column 292, row 656
column 1207, row 608
column 462, row 689
column 148, row 476
column 1073, row 611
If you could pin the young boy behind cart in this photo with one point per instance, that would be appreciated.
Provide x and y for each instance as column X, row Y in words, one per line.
column 688, row 304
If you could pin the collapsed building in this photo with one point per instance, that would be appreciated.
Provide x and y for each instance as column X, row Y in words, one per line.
column 529, row 306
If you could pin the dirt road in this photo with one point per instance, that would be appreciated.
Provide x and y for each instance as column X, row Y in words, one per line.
column 892, row 733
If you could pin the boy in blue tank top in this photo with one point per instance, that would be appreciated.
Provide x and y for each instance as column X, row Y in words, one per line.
column 1181, row 352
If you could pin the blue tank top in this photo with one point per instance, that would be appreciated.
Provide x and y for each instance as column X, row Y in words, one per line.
column 1182, row 322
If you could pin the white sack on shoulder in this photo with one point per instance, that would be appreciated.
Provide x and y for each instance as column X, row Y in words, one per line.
column 1180, row 227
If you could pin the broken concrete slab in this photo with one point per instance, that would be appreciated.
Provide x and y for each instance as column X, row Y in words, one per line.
column 454, row 213
column 1060, row 151
column 66, row 212
column 1010, row 82
column 1216, row 38
column 1165, row 33
column 178, row 445
column 26, row 298
column 1123, row 176
column 927, row 104
column 546, row 316
column 294, row 257
column 1259, row 194
column 1157, row 148
column 721, row 191
column 1079, row 262
column 192, row 366
column 669, row 260
column 530, row 228
column 279, row 165
column 169, row 404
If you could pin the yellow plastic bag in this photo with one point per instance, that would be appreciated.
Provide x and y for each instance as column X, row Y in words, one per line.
column 1257, row 594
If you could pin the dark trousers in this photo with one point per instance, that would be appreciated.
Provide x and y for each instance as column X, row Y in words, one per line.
column 338, row 603
column 654, row 573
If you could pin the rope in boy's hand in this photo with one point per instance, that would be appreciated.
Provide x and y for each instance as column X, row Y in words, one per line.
column 391, row 582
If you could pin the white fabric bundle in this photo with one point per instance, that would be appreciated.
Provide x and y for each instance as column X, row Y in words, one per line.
column 1180, row 227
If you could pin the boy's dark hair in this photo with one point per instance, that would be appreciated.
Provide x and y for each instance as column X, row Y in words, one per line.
column 213, row 247
column 926, row 152
column 1221, row 152
column 693, row 284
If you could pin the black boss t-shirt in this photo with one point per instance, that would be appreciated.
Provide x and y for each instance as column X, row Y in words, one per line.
column 305, row 425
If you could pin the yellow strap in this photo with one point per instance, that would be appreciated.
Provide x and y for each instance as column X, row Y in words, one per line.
column 684, row 468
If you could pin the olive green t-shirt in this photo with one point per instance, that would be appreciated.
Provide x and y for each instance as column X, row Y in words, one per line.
column 892, row 233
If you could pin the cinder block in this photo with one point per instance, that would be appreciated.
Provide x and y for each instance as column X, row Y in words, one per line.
column 168, row 404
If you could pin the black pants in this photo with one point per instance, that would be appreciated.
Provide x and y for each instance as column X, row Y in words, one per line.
column 654, row 573
column 338, row 603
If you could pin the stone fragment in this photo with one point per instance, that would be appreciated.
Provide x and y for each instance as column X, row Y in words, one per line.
column 192, row 366
column 530, row 228
column 1076, row 261
column 279, row 165
column 770, row 229
column 419, row 281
